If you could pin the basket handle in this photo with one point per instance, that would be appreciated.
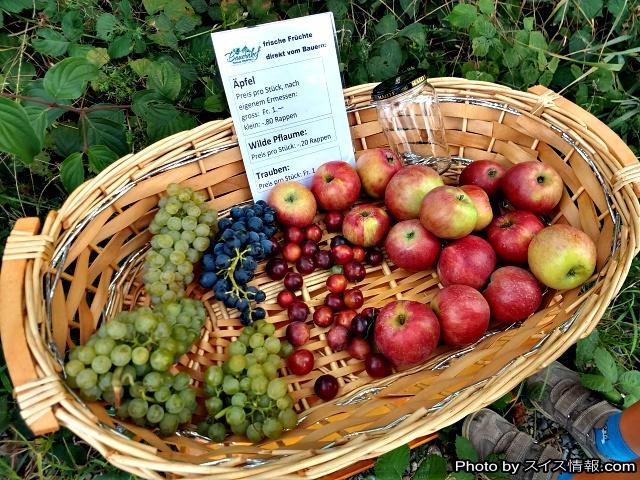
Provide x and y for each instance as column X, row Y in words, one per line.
column 630, row 172
column 22, row 247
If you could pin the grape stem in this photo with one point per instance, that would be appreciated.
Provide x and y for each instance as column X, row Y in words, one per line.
column 116, row 383
column 228, row 273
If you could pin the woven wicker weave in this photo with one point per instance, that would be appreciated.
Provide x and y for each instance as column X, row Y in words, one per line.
column 60, row 281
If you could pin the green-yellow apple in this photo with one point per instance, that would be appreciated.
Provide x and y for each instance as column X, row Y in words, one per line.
column 448, row 212
column 294, row 204
column 376, row 166
column 533, row 186
column 407, row 188
column 562, row 256
column 365, row 225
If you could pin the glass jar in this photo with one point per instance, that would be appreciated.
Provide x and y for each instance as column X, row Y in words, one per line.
column 409, row 114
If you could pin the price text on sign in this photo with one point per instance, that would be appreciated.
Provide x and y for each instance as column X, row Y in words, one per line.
column 284, row 91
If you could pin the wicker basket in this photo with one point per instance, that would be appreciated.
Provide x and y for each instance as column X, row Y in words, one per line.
column 59, row 282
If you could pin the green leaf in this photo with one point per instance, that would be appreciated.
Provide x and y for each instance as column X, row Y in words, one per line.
column 433, row 467
column 618, row 8
column 165, row 79
column 464, row 476
column 297, row 11
column 153, row 107
column 528, row 23
column 387, row 25
column 154, row 6
column 480, row 46
column 510, row 58
column 66, row 139
column 596, row 382
column 50, row 43
column 39, row 119
column 98, row 56
column 416, row 32
column 503, row 402
column 613, row 395
column 100, row 157
column 537, row 40
column 15, row 6
column 630, row 381
column 17, row 136
column 529, row 72
column 72, row 171
column 141, row 66
column 410, row 7
column 487, row 7
column 68, row 78
column 338, row 7
column 482, row 27
column 606, row 364
column 478, row 75
column 465, row 450
column 4, row 413
column 182, row 121
column 106, row 26
column 214, row 103
column 391, row 465
column 72, row 25
column 16, row 74
column 186, row 24
column 121, row 46
column 163, row 28
column 630, row 400
column 106, row 127
column 462, row 15
column 586, row 346
column 590, row 8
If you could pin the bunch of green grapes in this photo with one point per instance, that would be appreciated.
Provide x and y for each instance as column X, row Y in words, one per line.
column 245, row 394
column 181, row 230
column 127, row 361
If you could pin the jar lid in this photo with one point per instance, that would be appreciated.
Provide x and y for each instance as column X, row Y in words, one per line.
column 399, row 84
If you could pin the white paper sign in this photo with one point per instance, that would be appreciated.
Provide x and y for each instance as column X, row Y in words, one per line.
column 284, row 91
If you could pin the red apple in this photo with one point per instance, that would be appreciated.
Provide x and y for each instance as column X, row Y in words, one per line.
column 463, row 313
column 407, row 188
column 448, row 212
column 336, row 185
column 294, row 204
column 411, row 246
column 562, row 257
column 513, row 294
column 365, row 225
column 468, row 261
column 376, row 166
column 406, row 332
column 511, row 233
column 533, row 186
column 486, row 174
column 481, row 201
